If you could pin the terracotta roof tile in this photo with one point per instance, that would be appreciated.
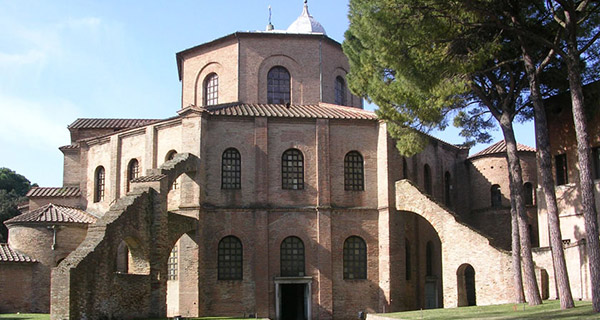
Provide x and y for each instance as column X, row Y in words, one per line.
column 54, row 213
column 321, row 110
column 500, row 147
column 9, row 255
column 54, row 192
column 69, row 147
column 100, row 123
column 149, row 178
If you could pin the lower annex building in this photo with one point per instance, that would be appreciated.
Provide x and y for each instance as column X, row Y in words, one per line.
column 271, row 193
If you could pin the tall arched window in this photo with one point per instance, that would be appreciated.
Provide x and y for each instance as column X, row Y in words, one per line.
column 99, row 180
column 427, row 179
column 211, row 89
column 292, row 257
column 354, row 171
column 278, row 85
column 231, row 169
column 230, row 259
column 447, row 189
column 170, row 155
column 355, row 258
column 528, row 191
column 429, row 259
column 340, row 91
column 292, row 170
column 496, row 195
column 133, row 171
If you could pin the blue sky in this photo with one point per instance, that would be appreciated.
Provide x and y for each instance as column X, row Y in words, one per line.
column 62, row 60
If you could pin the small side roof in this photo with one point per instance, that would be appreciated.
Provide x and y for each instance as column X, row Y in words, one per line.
column 53, row 192
column 54, row 213
column 102, row 123
column 9, row 255
column 319, row 111
column 500, row 147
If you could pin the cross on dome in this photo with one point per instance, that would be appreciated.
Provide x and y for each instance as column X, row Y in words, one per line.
column 306, row 23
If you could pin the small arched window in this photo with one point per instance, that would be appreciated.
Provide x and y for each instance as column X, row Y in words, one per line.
column 429, row 259
column 427, row 179
column 528, row 192
column 99, row 183
column 278, row 85
column 133, row 171
column 496, row 194
column 211, row 89
column 340, row 91
column 292, row 170
column 230, row 258
column 170, row 155
column 231, row 169
column 355, row 258
column 354, row 171
column 448, row 189
column 292, row 257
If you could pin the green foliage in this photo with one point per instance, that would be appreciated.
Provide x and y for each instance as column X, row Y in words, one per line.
column 13, row 188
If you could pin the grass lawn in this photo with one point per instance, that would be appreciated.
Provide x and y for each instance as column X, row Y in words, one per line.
column 548, row 310
column 41, row 316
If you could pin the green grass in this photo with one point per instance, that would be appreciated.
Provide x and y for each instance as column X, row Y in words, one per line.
column 28, row 316
column 548, row 310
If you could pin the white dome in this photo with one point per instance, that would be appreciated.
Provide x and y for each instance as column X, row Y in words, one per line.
column 306, row 23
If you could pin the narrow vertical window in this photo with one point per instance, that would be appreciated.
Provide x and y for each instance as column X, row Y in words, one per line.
column 528, row 191
column 355, row 258
column 596, row 162
column 211, row 89
column 170, row 155
column 99, row 180
column 231, row 169
column 173, row 264
column 133, row 171
column 562, row 176
column 278, row 85
column 354, row 171
column 429, row 259
column 340, row 91
column 496, row 195
column 407, row 262
column 230, row 259
column 427, row 179
column 404, row 168
column 292, row 257
column 448, row 189
column 292, row 170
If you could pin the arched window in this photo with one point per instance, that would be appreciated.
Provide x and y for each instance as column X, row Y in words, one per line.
column 231, row 169
column 354, row 171
column 429, row 259
column 99, row 180
column 133, row 171
column 292, row 257
column 230, row 258
column 278, row 85
column 528, row 191
column 170, row 155
column 427, row 178
column 211, row 89
column 407, row 264
column 340, row 91
column 355, row 258
column 292, row 170
column 496, row 195
column 447, row 189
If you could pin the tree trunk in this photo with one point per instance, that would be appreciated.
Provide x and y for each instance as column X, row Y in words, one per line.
column 586, row 184
column 532, row 292
column 547, row 184
column 516, row 247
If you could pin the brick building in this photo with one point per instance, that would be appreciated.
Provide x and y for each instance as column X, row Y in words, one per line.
column 270, row 193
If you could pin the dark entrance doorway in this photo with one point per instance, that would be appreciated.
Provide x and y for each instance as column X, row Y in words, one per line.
column 293, row 302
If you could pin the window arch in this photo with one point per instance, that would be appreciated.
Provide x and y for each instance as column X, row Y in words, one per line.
column 231, row 169
column 170, row 155
column 427, row 179
column 292, row 257
column 230, row 258
column 496, row 194
column 278, row 85
column 354, row 171
column 133, row 171
column 211, row 89
column 528, row 192
column 99, row 184
column 355, row 258
column 448, row 189
column 292, row 170
column 340, row 91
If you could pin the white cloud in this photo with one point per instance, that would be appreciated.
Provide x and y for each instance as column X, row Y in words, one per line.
column 20, row 59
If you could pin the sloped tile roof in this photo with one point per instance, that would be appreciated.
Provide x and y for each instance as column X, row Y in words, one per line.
column 149, row 178
column 500, row 147
column 9, row 255
column 321, row 110
column 69, row 147
column 54, row 213
column 54, row 192
column 95, row 123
